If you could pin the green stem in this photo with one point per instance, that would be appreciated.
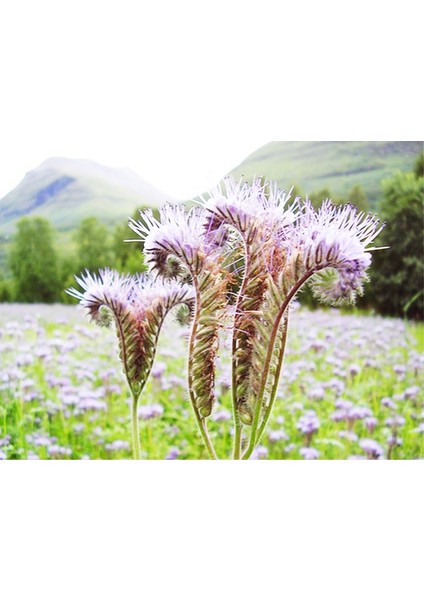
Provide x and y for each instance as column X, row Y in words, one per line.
column 276, row 381
column 267, row 364
column 135, row 432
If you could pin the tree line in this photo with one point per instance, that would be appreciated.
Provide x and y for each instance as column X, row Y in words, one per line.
column 39, row 271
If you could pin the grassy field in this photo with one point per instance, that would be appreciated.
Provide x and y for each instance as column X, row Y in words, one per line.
column 351, row 388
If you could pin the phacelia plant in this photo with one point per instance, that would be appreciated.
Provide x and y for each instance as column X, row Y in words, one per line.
column 240, row 258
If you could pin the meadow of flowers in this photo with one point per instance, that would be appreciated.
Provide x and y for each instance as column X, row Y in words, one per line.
column 351, row 388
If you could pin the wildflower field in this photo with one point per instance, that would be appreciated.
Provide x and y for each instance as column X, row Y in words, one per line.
column 351, row 388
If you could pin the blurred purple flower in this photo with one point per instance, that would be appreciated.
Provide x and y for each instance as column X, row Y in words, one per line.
column 150, row 411
column 395, row 422
column 388, row 403
column 354, row 370
column 348, row 435
column 308, row 423
column 117, row 445
column 317, row 392
column 58, row 451
column 309, row 453
column 277, row 436
column 371, row 448
column 173, row 453
column 412, row 392
column 370, row 423
column 221, row 415
column 259, row 453
column 158, row 369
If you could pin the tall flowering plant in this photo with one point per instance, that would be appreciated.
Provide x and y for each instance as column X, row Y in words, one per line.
column 278, row 245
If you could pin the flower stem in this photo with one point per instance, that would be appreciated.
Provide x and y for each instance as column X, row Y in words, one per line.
column 276, row 381
column 135, row 432
column 273, row 337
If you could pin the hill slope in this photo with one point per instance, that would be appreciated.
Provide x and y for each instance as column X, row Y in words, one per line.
column 335, row 165
column 66, row 190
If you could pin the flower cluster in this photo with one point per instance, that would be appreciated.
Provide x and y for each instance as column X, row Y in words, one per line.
column 242, row 255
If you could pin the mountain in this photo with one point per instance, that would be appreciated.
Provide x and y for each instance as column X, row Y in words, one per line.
column 338, row 166
column 65, row 191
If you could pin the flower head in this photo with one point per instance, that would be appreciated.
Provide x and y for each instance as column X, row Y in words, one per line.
column 178, row 240
column 138, row 306
column 248, row 208
column 334, row 243
column 372, row 448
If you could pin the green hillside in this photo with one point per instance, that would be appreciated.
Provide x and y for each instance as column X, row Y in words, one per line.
column 338, row 166
column 65, row 191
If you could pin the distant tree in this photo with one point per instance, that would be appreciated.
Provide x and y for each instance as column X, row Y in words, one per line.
column 33, row 262
column 358, row 198
column 317, row 198
column 397, row 274
column 297, row 191
column 93, row 245
column 6, row 289
column 128, row 256
column 419, row 165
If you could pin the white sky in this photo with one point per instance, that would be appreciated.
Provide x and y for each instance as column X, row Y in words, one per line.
column 183, row 91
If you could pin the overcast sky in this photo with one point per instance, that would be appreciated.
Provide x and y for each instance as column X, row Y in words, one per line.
column 179, row 91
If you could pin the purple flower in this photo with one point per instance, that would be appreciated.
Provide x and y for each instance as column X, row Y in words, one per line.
column 339, row 415
column 259, row 453
column 309, row 453
column 2, row 455
column 343, row 404
column 58, row 451
column 412, row 392
column 158, row 369
column 150, row 411
column 395, row 422
column 370, row 423
column 394, row 440
column 221, row 415
column 358, row 412
column 337, row 238
column 277, row 436
column 354, row 370
column 317, row 392
column 245, row 206
column 173, row 453
column 178, row 240
column 348, row 435
column 308, row 423
column 117, row 445
column 371, row 448
column 32, row 456
column 388, row 403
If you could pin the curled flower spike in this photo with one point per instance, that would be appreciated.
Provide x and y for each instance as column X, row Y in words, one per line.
column 184, row 246
column 138, row 306
column 258, row 213
column 177, row 242
column 249, row 207
column 336, row 238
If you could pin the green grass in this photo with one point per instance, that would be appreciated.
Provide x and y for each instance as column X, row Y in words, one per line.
column 51, row 358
